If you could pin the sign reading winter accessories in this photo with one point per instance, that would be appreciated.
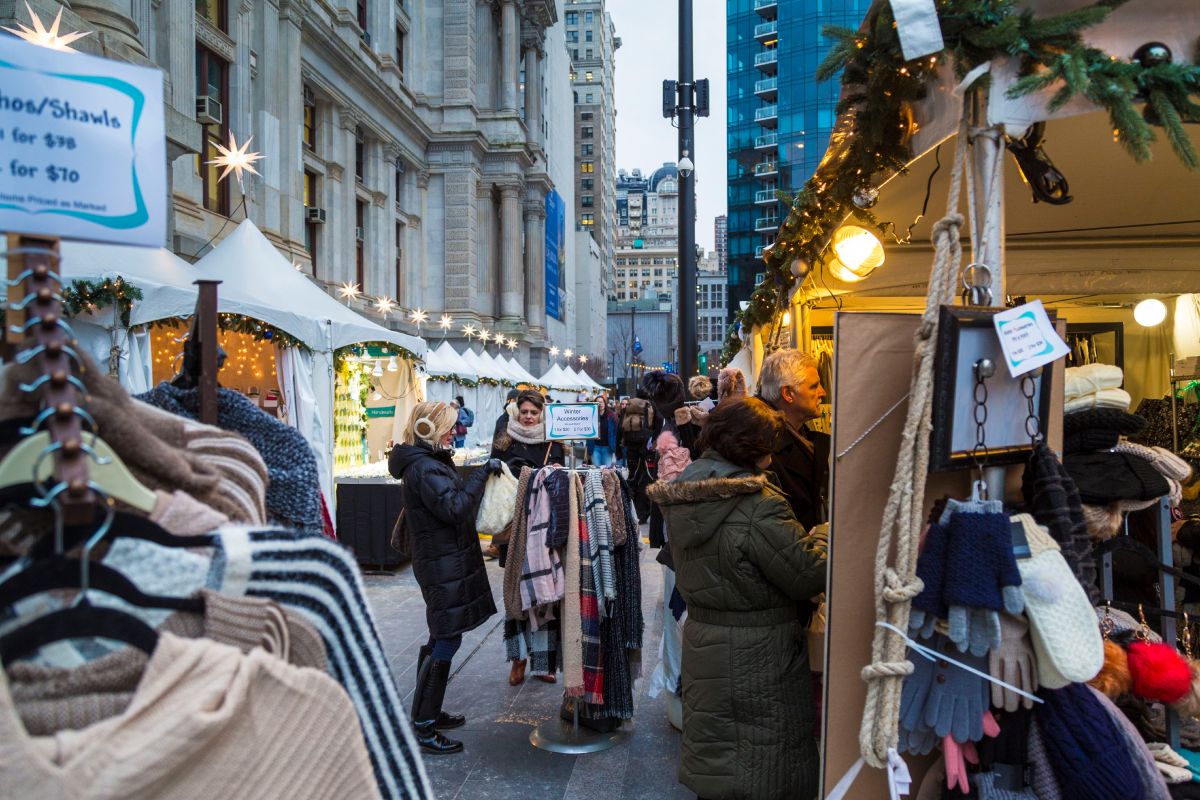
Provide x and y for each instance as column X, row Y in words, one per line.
column 570, row 421
column 83, row 147
column 1028, row 338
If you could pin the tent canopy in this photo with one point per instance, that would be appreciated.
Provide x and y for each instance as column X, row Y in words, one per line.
column 260, row 283
column 558, row 378
column 484, row 366
column 445, row 362
column 523, row 375
column 164, row 278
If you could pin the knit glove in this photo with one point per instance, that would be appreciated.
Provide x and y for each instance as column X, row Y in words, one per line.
column 916, row 737
column 1173, row 767
column 987, row 789
column 927, row 607
column 981, row 579
column 1013, row 663
column 957, row 758
column 957, row 699
column 1173, row 774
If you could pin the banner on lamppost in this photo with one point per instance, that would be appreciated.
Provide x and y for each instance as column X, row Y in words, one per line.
column 555, row 251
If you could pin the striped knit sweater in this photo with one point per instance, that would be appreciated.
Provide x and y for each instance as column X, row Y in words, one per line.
column 318, row 578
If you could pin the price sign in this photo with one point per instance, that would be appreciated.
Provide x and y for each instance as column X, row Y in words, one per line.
column 571, row 421
column 1028, row 338
column 82, row 147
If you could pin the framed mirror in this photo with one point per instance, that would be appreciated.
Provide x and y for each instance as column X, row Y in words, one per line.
column 967, row 336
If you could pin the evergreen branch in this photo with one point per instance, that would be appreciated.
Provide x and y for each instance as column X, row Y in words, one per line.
column 1173, row 124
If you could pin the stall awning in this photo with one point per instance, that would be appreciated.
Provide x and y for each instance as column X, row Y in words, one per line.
column 445, row 362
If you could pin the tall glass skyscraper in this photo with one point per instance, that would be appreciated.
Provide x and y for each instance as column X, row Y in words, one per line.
column 780, row 118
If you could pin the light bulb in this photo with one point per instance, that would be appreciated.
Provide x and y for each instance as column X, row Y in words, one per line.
column 787, row 318
column 1149, row 312
column 857, row 253
column 378, row 371
column 392, row 366
column 376, row 397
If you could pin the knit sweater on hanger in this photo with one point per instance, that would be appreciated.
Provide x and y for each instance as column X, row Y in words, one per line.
column 194, row 731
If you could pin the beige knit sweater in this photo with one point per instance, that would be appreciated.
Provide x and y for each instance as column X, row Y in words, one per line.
column 206, row 722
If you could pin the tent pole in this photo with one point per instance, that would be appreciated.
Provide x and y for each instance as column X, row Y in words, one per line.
column 987, row 164
column 206, row 330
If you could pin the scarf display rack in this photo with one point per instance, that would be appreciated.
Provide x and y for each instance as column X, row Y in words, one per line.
column 592, row 552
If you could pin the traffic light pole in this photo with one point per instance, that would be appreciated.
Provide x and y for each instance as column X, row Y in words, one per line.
column 686, row 115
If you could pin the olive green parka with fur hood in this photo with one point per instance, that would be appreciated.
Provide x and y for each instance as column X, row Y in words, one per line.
column 746, row 568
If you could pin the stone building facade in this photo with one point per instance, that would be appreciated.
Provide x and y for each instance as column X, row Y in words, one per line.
column 408, row 144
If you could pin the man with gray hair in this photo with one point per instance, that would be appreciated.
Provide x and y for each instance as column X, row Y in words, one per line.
column 789, row 381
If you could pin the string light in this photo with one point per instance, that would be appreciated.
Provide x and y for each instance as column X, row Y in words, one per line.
column 583, row 359
column 349, row 291
column 554, row 352
column 484, row 335
column 418, row 317
column 445, row 322
column 48, row 38
column 469, row 331
column 512, row 344
column 568, row 353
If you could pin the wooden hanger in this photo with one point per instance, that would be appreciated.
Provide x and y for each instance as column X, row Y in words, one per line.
column 106, row 470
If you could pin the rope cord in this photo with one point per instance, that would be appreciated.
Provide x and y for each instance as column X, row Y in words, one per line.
column 896, row 584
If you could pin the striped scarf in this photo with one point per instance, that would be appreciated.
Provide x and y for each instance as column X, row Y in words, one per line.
column 589, row 604
column 572, row 624
column 542, row 582
column 601, row 534
column 516, row 549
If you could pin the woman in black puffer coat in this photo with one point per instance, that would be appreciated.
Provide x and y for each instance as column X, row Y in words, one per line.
column 447, row 562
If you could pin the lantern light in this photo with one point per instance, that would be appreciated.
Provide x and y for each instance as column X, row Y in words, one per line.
column 857, row 253
column 1149, row 312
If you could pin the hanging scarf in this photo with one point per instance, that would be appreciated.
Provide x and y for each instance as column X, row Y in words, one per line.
column 542, row 573
column 601, row 534
column 527, row 434
column 593, row 654
column 516, row 549
column 572, row 624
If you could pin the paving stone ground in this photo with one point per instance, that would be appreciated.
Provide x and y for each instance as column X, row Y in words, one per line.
column 499, row 763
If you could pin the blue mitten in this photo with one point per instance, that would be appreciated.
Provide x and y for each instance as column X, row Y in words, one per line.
column 916, row 737
column 957, row 698
column 928, row 607
column 982, row 579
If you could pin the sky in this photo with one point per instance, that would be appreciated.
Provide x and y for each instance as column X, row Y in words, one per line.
column 649, row 33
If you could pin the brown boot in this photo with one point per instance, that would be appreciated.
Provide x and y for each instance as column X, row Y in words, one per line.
column 546, row 678
column 516, row 675
column 491, row 551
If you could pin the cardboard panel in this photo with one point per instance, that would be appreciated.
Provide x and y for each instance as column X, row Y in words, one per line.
column 873, row 365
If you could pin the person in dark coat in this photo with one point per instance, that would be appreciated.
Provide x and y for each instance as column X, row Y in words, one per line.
column 502, row 420
column 439, row 512
column 792, row 385
column 746, row 568
column 602, row 451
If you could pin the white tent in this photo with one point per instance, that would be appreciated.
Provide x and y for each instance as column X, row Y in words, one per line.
column 523, row 375
column 559, row 378
column 445, row 362
column 585, row 379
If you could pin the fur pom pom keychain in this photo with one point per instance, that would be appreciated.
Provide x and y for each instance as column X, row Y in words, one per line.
column 1158, row 671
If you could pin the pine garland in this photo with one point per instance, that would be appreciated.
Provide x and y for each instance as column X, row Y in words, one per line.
column 880, row 87
column 259, row 331
column 88, row 297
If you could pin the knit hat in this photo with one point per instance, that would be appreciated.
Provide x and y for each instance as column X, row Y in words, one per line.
column 730, row 383
column 1105, row 477
column 1041, row 774
column 1166, row 462
column 700, row 387
column 665, row 391
column 1118, row 399
column 1089, row 440
column 1110, row 419
column 1087, row 752
column 1141, row 758
column 1090, row 378
column 1051, row 497
column 1062, row 627
column 1103, row 522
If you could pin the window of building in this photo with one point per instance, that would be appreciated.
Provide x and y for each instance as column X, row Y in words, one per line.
column 400, row 35
column 573, row 36
column 399, row 259
column 310, row 121
column 310, row 228
column 587, row 183
column 588, row 55
column 585, row 115
column 360, row 234
column 574, row 57
column 586, row 132
column 587, row 16
column 587, row 167
column 585, row 149
column 587, row 201
column 360, row 154
column 212, row 80
column 587, row 218
column 399, row 180
column 362, row 14
column 573, row 17
column 587, row 36
column 215, row 11
column 589, row 98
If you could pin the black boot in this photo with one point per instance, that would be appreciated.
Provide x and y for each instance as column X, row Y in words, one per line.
column 444, row 721
column 429, row 711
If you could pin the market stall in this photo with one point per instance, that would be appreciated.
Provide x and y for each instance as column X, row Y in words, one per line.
column 1089, row 100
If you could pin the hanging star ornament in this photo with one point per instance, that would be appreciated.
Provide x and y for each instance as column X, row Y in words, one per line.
column 484, row 335
column 384, row 305
column 235, row 159
column 583, row 359
column 554, row 351
column 512, row 344
column 349, row 291
column 42, row 37
column 468, row 331
column 419, row 317
column 445, row 322
column 568, row 353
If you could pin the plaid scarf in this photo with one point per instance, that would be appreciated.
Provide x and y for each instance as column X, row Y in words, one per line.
column 516, row 549
column 541, row 573
column 572, row 624
column 593, row 657
column 540, row 647
column 601, row 534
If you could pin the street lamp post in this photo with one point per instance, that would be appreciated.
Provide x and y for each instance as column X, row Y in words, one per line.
column 691, row 101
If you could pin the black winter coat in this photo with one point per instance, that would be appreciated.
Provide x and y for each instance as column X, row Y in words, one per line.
column 801, row 465
column 447, row 561
column 518, row 454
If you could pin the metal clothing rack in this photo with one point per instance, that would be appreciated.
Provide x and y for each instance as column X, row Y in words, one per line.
column 554, row 735
column 1166, row 583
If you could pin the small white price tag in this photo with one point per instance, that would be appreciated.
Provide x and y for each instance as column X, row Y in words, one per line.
column 918, row 27
column 1028, row 338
